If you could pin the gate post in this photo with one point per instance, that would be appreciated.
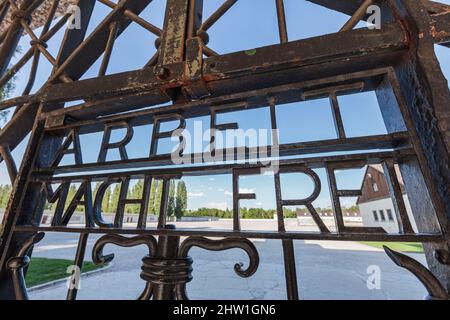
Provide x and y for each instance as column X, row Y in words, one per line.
column 417, row 87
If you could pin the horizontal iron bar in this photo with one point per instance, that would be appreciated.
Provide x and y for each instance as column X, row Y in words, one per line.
column 288, row 59
column 423, row 238
column 249, row 99
column 295, row 149
column 312, row 162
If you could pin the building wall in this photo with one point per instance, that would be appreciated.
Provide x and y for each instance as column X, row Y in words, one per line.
column 391, row 226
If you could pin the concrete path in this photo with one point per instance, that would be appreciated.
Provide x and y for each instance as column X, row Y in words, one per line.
column 325, row 269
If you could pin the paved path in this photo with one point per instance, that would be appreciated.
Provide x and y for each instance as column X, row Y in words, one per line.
column 326, row 270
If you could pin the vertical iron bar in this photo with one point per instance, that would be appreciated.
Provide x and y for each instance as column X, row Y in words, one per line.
column 338, row 123
column 195, row 17
column 118, row 220
column 236, row 204
column 164, row 202
column 173, row 38
column 168, row 250
column 290, row 270
column 282, row 26
column 276, row 141
column 397, row 197
column 108, row 49
column 278, row 196
column 79, row 260
column 142, row 222
column 336, row 203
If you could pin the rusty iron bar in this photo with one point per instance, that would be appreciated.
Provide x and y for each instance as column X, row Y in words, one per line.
column 135, row 18
column 357, row 16
column 108, row 49
column 35, row 63
column 208, row 23
column 79, row 260
column 282, row 25
column 6, row 155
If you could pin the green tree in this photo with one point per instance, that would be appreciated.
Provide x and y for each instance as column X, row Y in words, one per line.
column 1, row 195
column 181, row 200
column 4, row 93
column 151, row 202
column 70, row 195
column 5, row 192
column 171, row 201
column 136, row 193
column 115, row 198
column 94, row 192
column 106, row 203
column 158, row 196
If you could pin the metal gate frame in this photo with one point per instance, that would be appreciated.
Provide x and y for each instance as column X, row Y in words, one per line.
column 397, row 62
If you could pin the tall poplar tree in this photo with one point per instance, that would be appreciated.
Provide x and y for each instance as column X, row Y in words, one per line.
column 115, row 198
column 181, row 200
column 151, row 202
column 171, row 200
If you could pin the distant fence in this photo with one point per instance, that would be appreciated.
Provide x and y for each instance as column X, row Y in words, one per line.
column 79, row 218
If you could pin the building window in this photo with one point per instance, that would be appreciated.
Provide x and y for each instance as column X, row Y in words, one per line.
column 375, row 187
column 382, row 216
column 375, row 216
column 390, row 215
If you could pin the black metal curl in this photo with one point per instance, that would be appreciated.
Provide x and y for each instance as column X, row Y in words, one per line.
column 97, row 252
column 220, row 245
column 30, row 242
column 99, row 258
column 225, row 244
column 17, row 263
column 435, row 290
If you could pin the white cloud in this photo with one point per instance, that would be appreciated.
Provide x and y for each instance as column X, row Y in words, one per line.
column 195, row 194
column 220, row 190
column 211, row 179
column 217, row 205
column 228, row 193
column 245, row 190
column 259, row 204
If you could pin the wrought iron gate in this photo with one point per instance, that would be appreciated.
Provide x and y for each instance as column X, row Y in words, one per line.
column 185, row 79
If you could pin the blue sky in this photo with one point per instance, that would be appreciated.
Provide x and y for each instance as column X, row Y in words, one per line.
column 243, row 27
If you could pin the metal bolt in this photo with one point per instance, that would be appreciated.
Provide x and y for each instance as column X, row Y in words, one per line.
column 162, row 72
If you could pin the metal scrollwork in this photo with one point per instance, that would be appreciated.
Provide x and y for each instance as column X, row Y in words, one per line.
column 220, row 245
column 435, row 290
column 99, row 258
column 17, row 263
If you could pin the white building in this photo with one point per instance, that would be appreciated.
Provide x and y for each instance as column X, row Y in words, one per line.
column 375, row 203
